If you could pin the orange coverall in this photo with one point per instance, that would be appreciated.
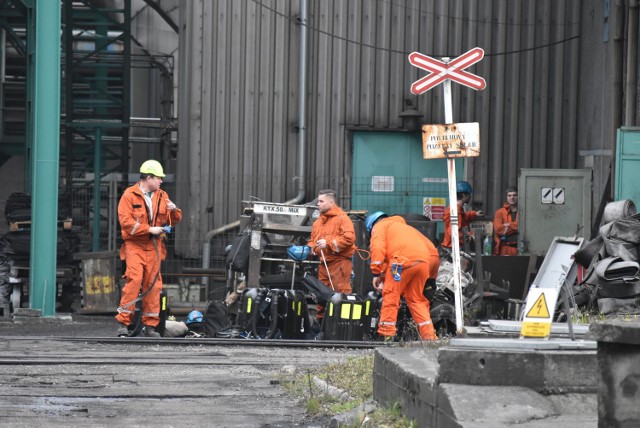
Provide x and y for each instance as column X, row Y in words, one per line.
column 337, row 229
column 464, row 218
column 141, row 253
column 508, row 246
column 392, row 240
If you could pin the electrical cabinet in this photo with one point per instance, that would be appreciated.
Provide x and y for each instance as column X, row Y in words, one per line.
column 552, row 202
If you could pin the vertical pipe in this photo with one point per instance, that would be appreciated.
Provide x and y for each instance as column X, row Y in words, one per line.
column 97, row 173
column 302, row 103
column 632, row 65
column 46, row 150
column 617, row 85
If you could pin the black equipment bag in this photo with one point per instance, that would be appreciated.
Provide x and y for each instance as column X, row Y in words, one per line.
column 344, row 318
column 216, row 318
column 289, row 315
column 372, row 306
column 254, row 312
column 240, row 249
column 164, row 312
column 238, row 257
column 318, row 291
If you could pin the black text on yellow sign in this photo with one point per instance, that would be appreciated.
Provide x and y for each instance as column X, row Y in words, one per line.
column 536, row 329
column 539, row 309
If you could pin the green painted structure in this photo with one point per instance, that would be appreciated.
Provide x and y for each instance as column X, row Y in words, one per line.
column 45, row 157
column 627, row 173
column 390, row 174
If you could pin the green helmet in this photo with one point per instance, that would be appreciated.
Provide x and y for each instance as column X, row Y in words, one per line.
column 152, row 167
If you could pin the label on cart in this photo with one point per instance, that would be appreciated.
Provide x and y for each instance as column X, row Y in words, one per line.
column 538, row 314
column 278, row 209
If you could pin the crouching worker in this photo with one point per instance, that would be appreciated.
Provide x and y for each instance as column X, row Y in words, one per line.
column 144, row 212
column 402, row 260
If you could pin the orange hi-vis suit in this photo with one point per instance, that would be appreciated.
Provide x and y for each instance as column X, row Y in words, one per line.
column 393, row 241
column 143, row 252
column 505, row 238
column 336, row 228
column 464, row 218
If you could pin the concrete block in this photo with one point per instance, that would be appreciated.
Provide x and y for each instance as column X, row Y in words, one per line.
column 407, row 376
column 491, row 406
column 548, row 371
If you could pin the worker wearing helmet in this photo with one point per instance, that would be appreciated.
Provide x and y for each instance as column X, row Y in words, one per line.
column 144, row 211
column 463, row 195
column 402, row 260
column 333, row 241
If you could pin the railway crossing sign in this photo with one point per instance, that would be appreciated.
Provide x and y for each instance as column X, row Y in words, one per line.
column 444, row 72
column 441, row 71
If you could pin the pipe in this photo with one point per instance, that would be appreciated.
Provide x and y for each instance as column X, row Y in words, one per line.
column 302, row 101
column 206, row 247
column 632, row 65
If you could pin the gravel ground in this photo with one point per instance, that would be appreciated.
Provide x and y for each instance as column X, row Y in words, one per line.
column 47, row 380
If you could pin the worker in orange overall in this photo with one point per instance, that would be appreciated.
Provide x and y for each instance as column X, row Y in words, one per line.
column 144, row 212
column 463, row 195
column 505, row 226
column 333, row 241
column 402, row 260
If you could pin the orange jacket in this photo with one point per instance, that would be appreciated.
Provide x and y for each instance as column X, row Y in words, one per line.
column 393, row 239
column 337, row 229
column 502, row 217
column 464, row 218
column 134, row 220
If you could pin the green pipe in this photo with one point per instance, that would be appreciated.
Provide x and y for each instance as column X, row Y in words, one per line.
column 45, row 164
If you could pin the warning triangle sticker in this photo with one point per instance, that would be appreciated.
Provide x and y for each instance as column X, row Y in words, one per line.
column 539, row 308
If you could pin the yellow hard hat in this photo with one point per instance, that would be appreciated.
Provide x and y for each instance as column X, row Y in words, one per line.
column 152, row 167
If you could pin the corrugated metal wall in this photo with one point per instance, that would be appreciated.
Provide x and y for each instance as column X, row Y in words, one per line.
column 238, row 92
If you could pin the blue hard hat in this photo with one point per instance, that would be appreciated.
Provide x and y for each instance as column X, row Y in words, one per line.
column 194, row 316
column 298, row 252
column 463, row 187
column 372, row 219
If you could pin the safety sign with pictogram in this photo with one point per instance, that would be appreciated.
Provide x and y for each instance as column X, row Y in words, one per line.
column 538, row 313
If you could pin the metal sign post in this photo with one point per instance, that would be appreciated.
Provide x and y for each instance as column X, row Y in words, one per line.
column 453, row 141
column 453, row 211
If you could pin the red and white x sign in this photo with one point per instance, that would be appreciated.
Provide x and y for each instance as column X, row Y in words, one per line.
column 441, row 71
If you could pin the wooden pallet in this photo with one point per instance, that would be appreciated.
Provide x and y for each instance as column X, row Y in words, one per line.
column 25, row 225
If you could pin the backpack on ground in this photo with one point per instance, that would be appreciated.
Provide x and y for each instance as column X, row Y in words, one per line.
column 216, row 318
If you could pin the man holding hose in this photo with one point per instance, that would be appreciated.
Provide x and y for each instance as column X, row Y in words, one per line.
column 333, row 242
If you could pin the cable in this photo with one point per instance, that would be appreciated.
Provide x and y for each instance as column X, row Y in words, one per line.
column 297, row 21
column 477, row 21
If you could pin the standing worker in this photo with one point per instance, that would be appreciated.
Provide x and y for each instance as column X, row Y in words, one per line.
column 333, row 241
column 144, row 212
column 463, row 195
column 505, row 226
column 402, row 260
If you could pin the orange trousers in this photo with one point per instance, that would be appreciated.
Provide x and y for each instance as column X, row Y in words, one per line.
column 411, row 286
column 340, row 271
column 507, row 250
column 142, row 265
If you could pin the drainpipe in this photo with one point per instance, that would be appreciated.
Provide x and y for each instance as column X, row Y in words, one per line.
column 302, row 101
column 632, row 65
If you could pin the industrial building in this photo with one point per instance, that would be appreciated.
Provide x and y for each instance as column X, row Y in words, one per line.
column 272, row 100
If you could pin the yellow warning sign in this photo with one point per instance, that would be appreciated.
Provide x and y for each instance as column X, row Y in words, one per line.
column 535, row 329
column 539, row 308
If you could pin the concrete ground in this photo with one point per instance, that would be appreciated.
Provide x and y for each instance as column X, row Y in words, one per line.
column 57, row 372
